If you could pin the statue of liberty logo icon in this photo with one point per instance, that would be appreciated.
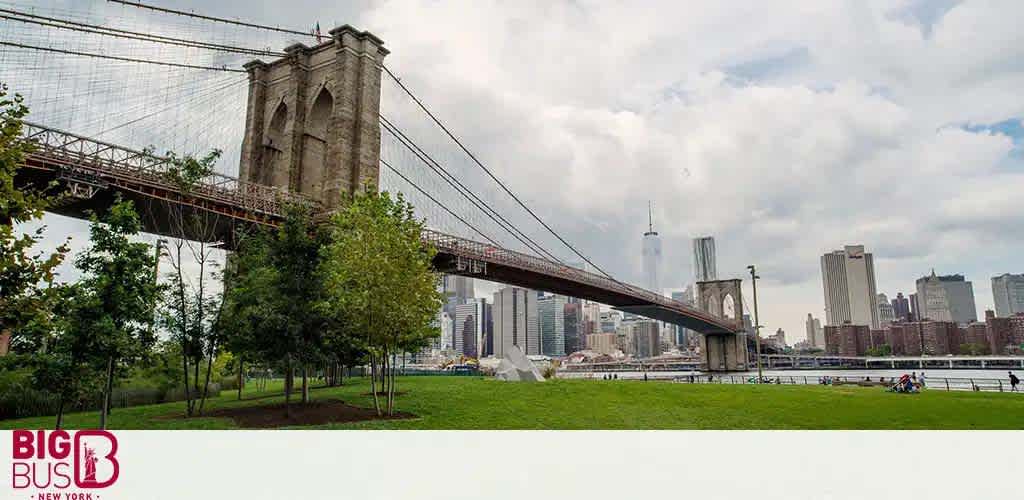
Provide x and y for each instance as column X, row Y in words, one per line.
column 90, row 464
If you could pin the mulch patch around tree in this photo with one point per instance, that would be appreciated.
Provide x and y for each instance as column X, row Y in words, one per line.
column 313, row 413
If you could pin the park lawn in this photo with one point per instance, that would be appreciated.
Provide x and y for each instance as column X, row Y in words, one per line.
column 480, row 403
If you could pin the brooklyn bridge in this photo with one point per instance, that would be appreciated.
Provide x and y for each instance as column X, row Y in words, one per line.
column 312, row 131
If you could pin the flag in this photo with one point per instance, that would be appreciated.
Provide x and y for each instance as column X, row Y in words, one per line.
column 316, row 32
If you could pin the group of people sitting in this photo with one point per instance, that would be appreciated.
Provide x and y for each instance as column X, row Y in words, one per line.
column 909, row 383
column 906, row 383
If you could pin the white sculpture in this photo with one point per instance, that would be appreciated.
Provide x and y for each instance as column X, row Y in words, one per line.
column 515, row 367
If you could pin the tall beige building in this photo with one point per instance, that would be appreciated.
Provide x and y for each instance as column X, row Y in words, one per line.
column 1008, row 294
column 603, row 343
column 646, row 339
column 815, row 333
column 947, row 298
column 515, row 321
column 848, row 279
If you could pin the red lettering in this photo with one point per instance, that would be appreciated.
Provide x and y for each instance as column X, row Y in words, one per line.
column 23, row 448
column 62, row 475
column 59, row 444
column 80, row 457
column 20, row 470
column 35, row 476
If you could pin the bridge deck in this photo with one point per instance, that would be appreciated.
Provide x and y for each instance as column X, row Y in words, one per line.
column 102, row 169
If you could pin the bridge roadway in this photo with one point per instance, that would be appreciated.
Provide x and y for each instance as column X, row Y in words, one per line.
column 95, row 171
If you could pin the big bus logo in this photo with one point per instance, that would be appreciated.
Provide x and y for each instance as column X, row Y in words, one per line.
column 55, row 459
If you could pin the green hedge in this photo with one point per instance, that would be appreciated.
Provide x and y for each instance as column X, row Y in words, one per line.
column 19, row 400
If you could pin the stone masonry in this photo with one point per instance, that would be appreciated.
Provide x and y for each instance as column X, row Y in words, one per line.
column 312, row 121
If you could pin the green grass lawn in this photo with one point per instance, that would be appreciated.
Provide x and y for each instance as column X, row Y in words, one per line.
column 480, row 403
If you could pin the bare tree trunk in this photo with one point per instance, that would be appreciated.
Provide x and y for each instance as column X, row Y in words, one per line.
column 240, row 380
column 197, row 361
column 200, row 318
column 373, row 383
column 288, row 386
column 60, row 412
column 305, row 383
column 188, row 399
column 391, row 386
column 108, row 384
column 206, row 382
column 184, row 328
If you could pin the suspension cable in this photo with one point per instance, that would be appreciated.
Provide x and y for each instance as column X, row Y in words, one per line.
column 119, row 58
column 465, row 191
column 442, row 205
column 212, row 18
column 134, row 35
column 489, row 173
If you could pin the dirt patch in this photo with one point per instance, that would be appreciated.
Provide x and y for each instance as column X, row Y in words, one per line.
column 314, row 413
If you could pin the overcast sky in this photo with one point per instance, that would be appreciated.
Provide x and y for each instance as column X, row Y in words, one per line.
column 783, row 129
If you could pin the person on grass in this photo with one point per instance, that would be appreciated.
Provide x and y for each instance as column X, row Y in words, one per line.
column 1013, row 382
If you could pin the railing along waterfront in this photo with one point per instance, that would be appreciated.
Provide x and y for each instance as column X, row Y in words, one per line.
column 931, row 383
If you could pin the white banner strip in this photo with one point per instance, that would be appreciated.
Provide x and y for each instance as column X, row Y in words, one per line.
column 451, row 465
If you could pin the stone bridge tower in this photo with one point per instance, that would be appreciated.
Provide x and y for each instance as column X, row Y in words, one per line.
column 725, row 351
column 312, row 123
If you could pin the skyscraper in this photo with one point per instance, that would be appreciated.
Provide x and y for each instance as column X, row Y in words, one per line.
column 652, row 256
column 573, row 323
column 551, row 314
column 704, row 267
column 487, row 335
column 457, row 290
column 886, row 314
column 946, row 298
column 901, row 307
column 591, row 318
column 915, row 308
column 469, row 327
column 848, row 279
column 515, row 321
column 645, row 336
column 1008, row 292
column 460, row 286
column 815, row 334
column 444, row 323
column 682, row 333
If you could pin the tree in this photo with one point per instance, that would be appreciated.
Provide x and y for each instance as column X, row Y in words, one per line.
column 880, row 351
column 25, row 279
column 192, row 308
column 115, row 305
column 273, row 292
column 295, row 254
column 67, row 365
column 380, row 282
column 248, row 304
